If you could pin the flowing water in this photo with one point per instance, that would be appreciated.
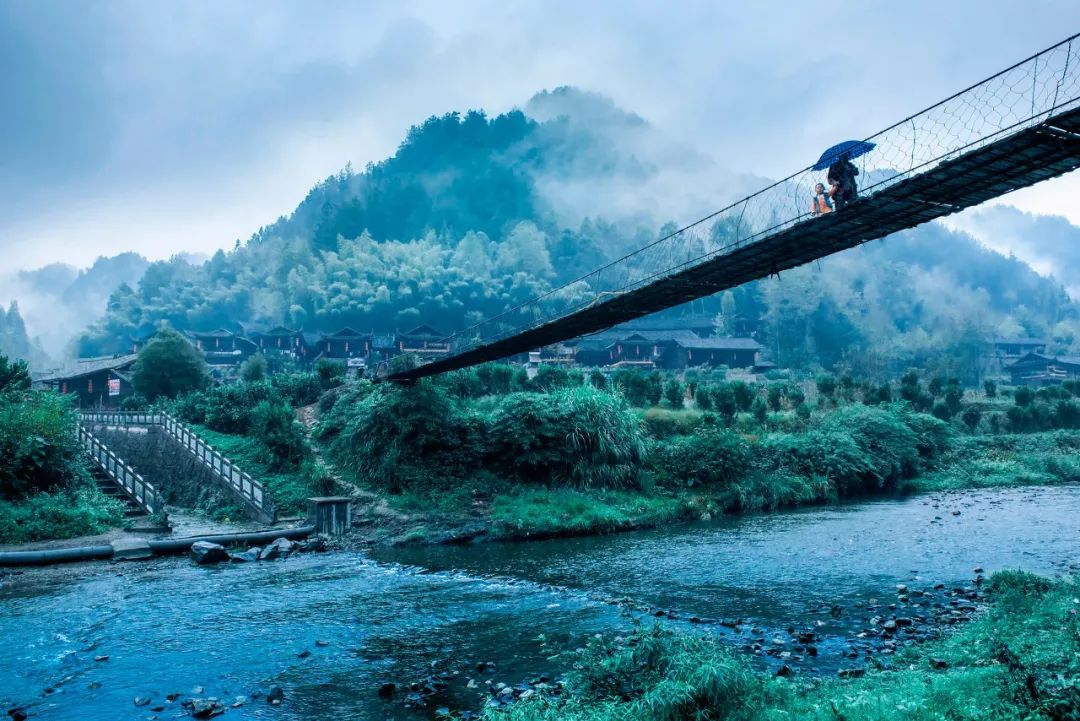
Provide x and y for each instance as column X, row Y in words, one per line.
column 169, row 626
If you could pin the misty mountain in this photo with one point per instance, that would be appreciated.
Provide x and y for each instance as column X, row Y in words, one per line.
column 59, row 300
column 474, row 215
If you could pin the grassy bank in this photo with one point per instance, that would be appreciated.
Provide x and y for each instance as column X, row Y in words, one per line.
column 62, row 514
column 290, row 487
column 1021, row 660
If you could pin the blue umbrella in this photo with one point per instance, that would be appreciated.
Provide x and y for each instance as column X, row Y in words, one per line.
column 853, row 148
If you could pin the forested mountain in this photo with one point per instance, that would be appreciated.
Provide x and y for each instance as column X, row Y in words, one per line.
column 474, row 214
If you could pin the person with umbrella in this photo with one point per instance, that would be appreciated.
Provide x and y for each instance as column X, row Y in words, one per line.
column 842, row 186
column 842, row 172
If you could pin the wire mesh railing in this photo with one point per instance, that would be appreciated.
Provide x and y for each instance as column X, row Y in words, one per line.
column 1019, row 97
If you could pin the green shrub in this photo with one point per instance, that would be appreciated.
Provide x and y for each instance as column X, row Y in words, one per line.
column 134, row 402
column 663, row 423
column 273, row 425
column 710, row 456
column 673, row 393
column 579, row 436
column 634, row 385
column 65, row 514
column 883, row 435
column 38, row 447
column 495, row 378
column 254, row 368
column 299, row 389
column 396, row 436
column 831, row 454
column 331, row 373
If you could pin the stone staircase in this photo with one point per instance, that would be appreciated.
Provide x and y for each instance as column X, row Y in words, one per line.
column 110, row 488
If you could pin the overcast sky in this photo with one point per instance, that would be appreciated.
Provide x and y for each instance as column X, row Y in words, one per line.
column 181, row 126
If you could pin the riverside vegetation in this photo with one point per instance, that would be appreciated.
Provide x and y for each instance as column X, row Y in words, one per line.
column 45, row 487
column 1020, row 660
column 491, row 451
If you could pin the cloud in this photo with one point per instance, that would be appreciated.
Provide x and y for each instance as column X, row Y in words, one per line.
column 157, row 126
column 1049, row 243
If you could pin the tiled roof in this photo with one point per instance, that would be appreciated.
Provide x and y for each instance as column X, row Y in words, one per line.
column 346, row 332
column 88, row 366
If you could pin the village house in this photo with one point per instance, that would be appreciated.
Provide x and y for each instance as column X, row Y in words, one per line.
column 282, row 341
column 424, row 341
column 1010, row 349
column 1037, row 369
column 94, row 382
column 222, row 348
column 343, row 344
column 667, row 350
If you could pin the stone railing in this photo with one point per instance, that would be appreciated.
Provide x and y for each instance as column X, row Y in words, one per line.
column 144, row 494
column 246, row 488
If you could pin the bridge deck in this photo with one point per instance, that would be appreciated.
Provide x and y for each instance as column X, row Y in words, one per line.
column 1014, row 161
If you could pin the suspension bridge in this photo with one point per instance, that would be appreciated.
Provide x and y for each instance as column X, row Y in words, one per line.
column 1010, row 131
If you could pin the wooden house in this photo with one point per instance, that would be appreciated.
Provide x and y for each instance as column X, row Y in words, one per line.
column 95, row 382
column 1011, row 349
column 1037, row 369
column 222, row 347
column 282, row 341
column 424, row 341
column 345, row 343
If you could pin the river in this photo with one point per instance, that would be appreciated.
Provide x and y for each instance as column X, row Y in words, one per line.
column 405, row 614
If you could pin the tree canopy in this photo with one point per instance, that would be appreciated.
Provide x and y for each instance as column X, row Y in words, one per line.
column 168, row 366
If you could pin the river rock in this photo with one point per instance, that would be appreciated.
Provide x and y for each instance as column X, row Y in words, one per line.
column 141, row 701
column 276, row 695
column 387, row 690
column 17, row 714
column 280, row 548
column 131, row 549
column 889, row 626
column 939, row 663
column 206, row 708
column 248, row 556
column 206, row 553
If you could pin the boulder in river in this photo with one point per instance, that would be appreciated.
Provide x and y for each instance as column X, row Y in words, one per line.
column 248, row 556
column 205, row 552
column 206, row 708
column 276, row 695
column 17, row 714
column 387, row 690
column 281, row 548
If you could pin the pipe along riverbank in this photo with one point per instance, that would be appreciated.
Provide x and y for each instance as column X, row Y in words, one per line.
column 157, row 547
